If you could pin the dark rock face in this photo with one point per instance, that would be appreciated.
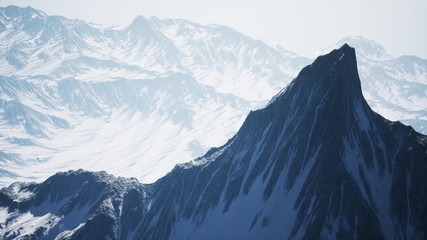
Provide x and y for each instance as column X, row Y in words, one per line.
column 93, row 205
column 317, row 162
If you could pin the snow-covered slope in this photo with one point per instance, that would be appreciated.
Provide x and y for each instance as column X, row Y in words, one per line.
column 134, row 100
column 316, row 163
column 138, row 99
column 36, row 44
column 138, row 128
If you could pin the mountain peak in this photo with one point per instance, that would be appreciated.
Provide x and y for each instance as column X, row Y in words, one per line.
column 344, row 50
column 343, row 55
column 332, row 74
column 325, row 95
column 141, row 28
column 366, row 48
column 21, row 14
column 140, row 22
column 345, row 46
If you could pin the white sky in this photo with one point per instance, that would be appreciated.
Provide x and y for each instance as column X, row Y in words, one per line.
column 302, row 26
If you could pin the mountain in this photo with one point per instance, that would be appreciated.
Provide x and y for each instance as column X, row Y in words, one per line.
column 38, row 44
column 154, row 93
column 316, row 162
column 394, row 87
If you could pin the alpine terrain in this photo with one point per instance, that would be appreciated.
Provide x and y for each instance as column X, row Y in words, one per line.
column 132, row 100
column 316, row 162
column 136, row 100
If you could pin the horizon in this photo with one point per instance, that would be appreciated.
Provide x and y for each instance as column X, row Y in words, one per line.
column 397, row 29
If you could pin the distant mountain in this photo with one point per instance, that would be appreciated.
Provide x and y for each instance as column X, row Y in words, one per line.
column 34, row 44
column 138, row 99
column 134, row 100
column 317, row 162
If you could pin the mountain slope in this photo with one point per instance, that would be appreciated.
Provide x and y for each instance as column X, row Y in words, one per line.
column 317, row 162
column 75, row 95
column 394, row 87
column 153, row 94
column 145, row 123
column 320, row 163
column 34, row 43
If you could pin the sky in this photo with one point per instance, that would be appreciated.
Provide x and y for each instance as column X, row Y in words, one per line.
column 303, row 26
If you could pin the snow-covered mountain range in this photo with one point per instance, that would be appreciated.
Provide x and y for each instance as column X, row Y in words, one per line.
column 136, row 100
column 315, row 163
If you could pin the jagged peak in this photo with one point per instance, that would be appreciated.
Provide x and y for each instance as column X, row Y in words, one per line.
column 366, row 48
column 141, row 27
column 329, row 87
column 100, row 176
column 337, row 69
column 140, row 21
column 13, row 11
column 95, row 176
column 343, row 54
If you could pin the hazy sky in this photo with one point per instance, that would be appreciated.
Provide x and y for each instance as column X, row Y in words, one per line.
column 302, row 26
